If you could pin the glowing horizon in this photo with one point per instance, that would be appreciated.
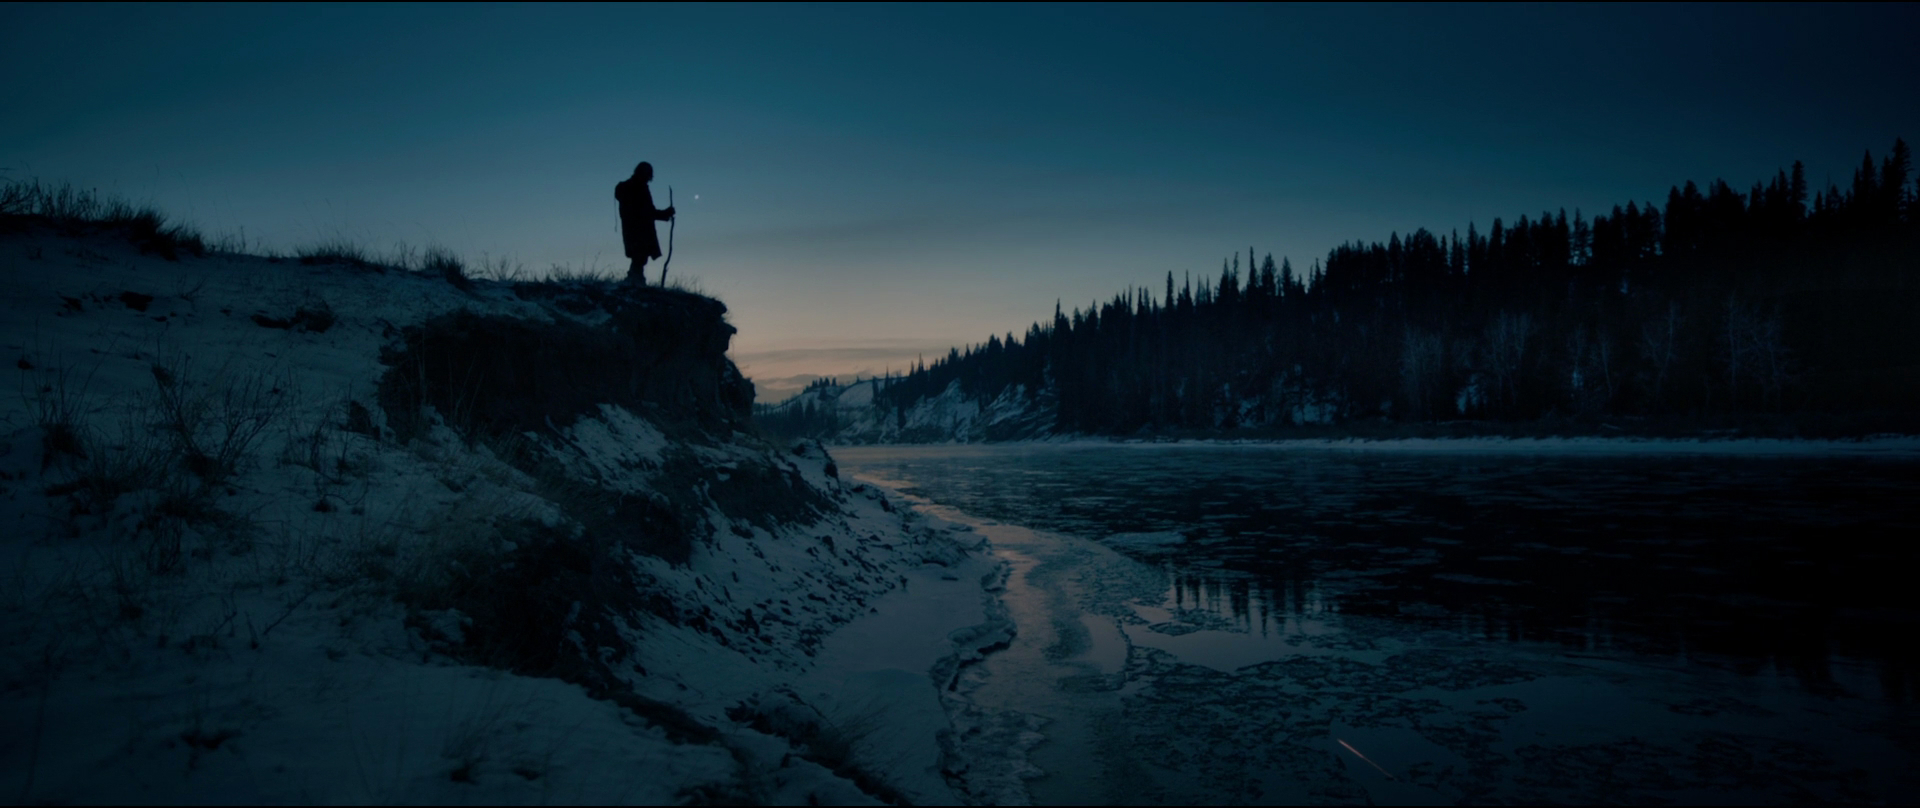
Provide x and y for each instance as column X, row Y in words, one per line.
column 915, row 176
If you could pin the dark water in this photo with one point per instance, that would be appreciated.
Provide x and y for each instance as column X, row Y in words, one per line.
column 1759, row 611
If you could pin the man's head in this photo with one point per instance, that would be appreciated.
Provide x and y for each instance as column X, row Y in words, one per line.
column 644, row 171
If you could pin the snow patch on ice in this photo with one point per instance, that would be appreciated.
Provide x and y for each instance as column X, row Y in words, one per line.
column 1157, row 540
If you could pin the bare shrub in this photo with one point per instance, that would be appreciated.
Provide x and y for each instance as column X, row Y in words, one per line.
column 234, row 243
column 15, row 198
column 182, row 506
column 148, row 229
column 293, row 550
column 336, row 251
column 67, row 207
column 107, row 471
column 241, row 411
column 370, row 557
column 502, row 269
column 318, row 444
column 537, row 595
column 685, row 283
column 442, row 262
column 591, row 273
column 55, row 402
column 145, row 461
column 213, row 426
column 165, row 527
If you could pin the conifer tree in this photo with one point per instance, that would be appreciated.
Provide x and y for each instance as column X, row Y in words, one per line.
column 1893, row 179
column 1349, row 326
column 1798, row 190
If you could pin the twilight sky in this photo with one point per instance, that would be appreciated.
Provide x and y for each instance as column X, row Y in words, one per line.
column 879, row 182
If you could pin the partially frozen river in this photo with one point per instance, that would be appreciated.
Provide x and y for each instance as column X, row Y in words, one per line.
column 1260, row 624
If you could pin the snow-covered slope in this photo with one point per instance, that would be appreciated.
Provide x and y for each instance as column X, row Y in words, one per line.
column 862, row 417
column 279, row 532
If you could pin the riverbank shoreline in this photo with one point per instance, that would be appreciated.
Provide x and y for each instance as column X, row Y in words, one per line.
column 1259, row 624
column 880, row 680
column 321, row 531
column 1006, row 747
column 1879, row 445
column 1889, row 446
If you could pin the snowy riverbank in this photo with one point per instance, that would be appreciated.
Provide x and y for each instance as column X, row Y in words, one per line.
column 281, row 531
column 1902, row 446
column 858, row 414
column 1262, row 624
column 1888, row 446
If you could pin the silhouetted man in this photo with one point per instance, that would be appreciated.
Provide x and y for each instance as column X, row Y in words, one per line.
column 637, row 216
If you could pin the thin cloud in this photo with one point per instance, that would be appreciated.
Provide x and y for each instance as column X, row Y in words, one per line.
column 841, row 355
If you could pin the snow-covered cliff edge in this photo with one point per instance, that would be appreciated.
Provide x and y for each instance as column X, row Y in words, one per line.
column 314, row 532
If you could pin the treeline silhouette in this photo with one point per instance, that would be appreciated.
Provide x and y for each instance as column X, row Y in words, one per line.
column 1722, row 307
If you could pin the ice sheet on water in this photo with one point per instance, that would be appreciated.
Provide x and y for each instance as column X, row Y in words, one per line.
column 1149, row 541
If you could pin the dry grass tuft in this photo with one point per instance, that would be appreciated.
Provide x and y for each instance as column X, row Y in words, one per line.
column 76, row 210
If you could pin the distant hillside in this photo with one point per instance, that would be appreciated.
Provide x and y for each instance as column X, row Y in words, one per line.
column 1778, row 310
column 861, row 413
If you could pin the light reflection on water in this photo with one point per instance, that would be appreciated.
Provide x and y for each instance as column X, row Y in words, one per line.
column 1751, row 563
column 1488, row 628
